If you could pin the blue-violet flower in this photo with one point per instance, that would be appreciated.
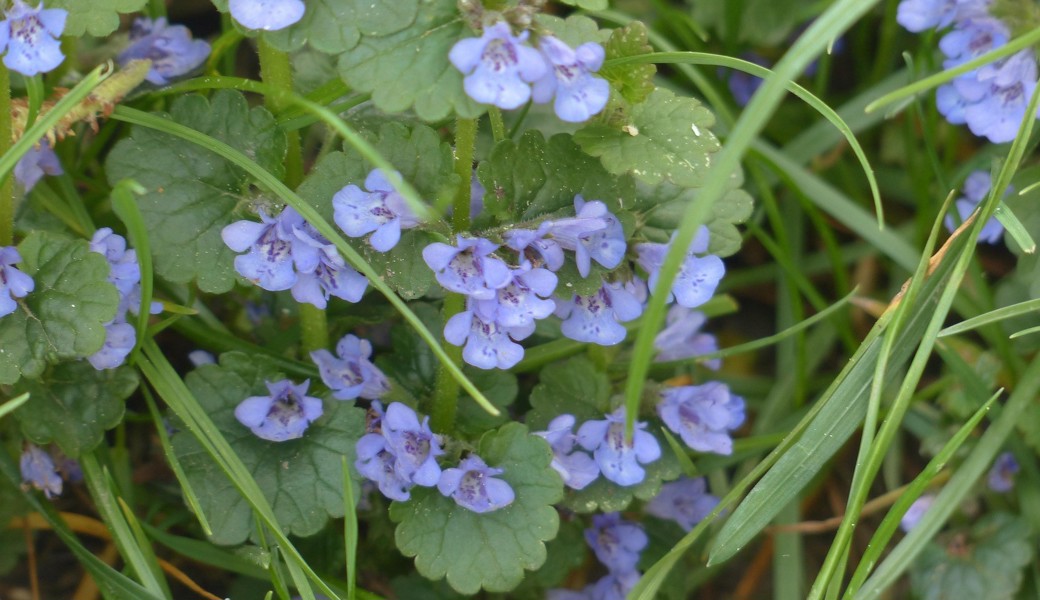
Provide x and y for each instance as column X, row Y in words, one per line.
column 685, row 501
column 380, row 210
column 597, row 318
column 703, row 415
column 468, row 268
column 413, row 444
column 698, row 276
column 38, row 471
column 579, row 94
column 13, row 283
column 619, row 461
column 498, row 67
column 488, row 345
column 534, row 247
column 32, row 38
column 576, row 468
column 36, row 163
column 593, row 234
column 282, row 415
column 616, row 542
column 682, row 337
column 351, row 374
column 916, row 512
column 268, row 15
column 1001, row 477
column 473, row 486
column 170, row 48
column 525, row 299
column 976, row 188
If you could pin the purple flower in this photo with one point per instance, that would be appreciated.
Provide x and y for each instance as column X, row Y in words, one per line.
column 413, row 445
column 468, row 268
column 283, row 415
column 13, row 283
column 976, row 188
column 685, row 501
column 1001, row 476
column 576, row 468
column 268, row 15
column 170, row 48
column 498, row 67
column 330, row 275
column 614, row 585
column 36, row 163
column 916, row 512
column 619, row 461
column 743, row 85
column 698, row 276
column 597, row 318
column 31, row 36
column 270, row 244
column 593, row 234
column 474, row 487
column 682, row 338
column 616, row 542
column 919, row 15
column 971, row 39
column 579, row 95
column 120, row 338
column 703, row 415
column 39, row 472
column 522, row 301
column 381, row 210
column 351, row 375
column 530, row 242
column 488, row 345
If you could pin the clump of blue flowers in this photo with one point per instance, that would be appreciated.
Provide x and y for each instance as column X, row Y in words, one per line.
column 992, row 99
column 617, row 544
column 31, row 37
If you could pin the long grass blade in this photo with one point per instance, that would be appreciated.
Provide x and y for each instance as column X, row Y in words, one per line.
column 993, row 316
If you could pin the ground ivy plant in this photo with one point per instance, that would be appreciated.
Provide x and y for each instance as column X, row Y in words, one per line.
column 516, row 298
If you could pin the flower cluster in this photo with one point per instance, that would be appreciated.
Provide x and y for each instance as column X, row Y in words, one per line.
column 31, row 37
column 170, row 48
column 13, row 283
column 284, row 414
column 685, row 501
column 502, row 71
column 992, row 99
column 287, row 253
column 619, row 460
column 617, row 544
column 703, row 415
column 976, row 188
column 125, row 274
column 399, row 452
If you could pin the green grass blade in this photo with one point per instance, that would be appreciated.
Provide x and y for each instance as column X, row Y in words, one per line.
column 350, row 530
column 1015, row 228
column 205, row 553
column 141, row 559
column 913, row 491
column 13, row 404
column 125, row 206
column 993, row 316
column 1024, row 332
column 355, row 259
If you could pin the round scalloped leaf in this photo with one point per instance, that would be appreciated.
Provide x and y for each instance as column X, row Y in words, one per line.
column 634, row 82
column 534, row 177
column 605, row 496
column 573, row 387
column 410, row 68
column 64, row 316
column 490, row 550
column 335, row 26
column 74, row 404
column 96, row 17
column 987, row 566
column 302, row 479
column 665, row 138
column 191, row 192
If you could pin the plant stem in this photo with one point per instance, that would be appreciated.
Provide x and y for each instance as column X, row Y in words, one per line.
column 7, row 186
column 498, row 126
column 446, row 392
column 276, row 71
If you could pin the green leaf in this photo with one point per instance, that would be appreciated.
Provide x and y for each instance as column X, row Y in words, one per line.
column 335, row 26
column 573, row 386
column 566, row 552
column 532, row 177
column 666, row 138
column 64, row 316
column 493, row 549
column 412, row 367
column 410, row 68
column 97, row 17
column 987, row 566
column 302, row 479
column 588, row 4
column 192, row 192
column 74, row 404
column 634, row 82
column 500, row 387
column 665, row 203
